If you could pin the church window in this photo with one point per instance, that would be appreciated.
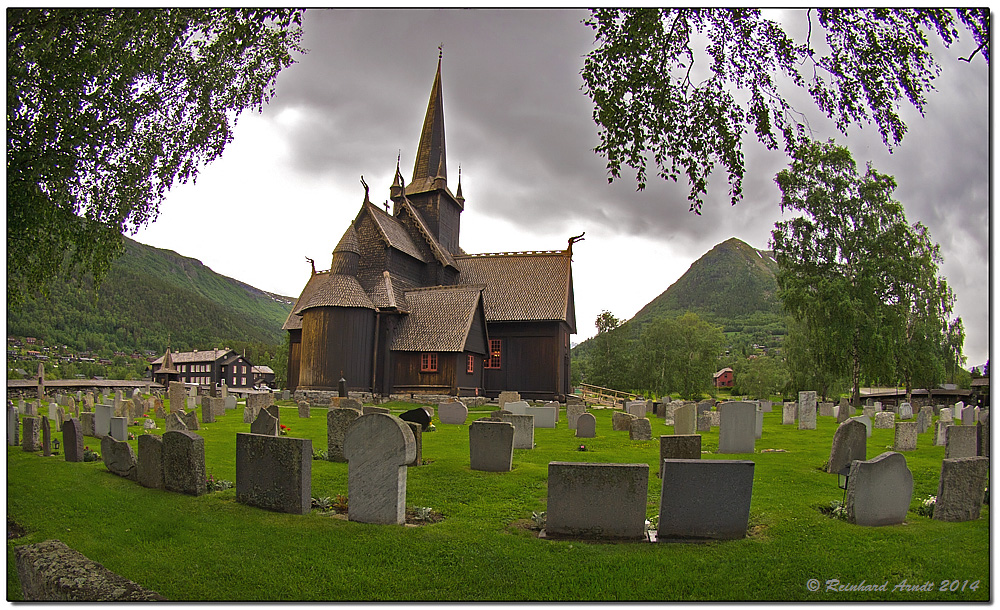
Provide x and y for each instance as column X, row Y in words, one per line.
column 470, row 366
column 428, row 362
column 493, row 362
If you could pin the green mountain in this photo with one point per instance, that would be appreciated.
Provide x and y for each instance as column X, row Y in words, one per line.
column 150, row 296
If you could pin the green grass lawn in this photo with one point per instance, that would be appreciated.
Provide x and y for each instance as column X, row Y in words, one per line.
column 213, row 548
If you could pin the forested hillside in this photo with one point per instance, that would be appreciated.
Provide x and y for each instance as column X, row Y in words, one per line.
column 151, row 295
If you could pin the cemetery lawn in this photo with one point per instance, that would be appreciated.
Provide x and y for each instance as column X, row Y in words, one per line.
column 213, row 548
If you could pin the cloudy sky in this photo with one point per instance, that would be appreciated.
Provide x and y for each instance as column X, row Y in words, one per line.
column 520, row 126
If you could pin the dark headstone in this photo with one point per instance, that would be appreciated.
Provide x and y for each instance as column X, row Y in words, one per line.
column 184, row 462
column 264, row 424
column 46, row 437
column 849, row 444
column 960, row 488
column 983, row 433
column 705, row 499
column 150, row 467
column 417, row 416
column 72, row 440
column 274, row 473
column 31, row 428
column 118, row 457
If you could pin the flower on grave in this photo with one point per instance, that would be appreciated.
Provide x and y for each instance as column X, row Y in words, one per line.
column 582, row 448
column 284, row 429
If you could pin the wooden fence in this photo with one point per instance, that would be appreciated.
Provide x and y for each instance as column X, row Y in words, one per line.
column 593, row 394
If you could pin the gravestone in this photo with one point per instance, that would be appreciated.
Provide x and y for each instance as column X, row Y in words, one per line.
column 636, row 408
column 877, row 406
column 573, row 413
column 46, row 437
column 906, row 436
column 173, row 421
column 184, row 463
column 946, row 416
column 87, row 423
column 640, row 430
column 149, row 425
column 150, row 467
column 517, row 407
column 250, row 414
column 13, row 427
column 621, row 422
column 256, row 402
column 546, row 417
column 849, row 444
column 679, row 447
column 960, row 488
column 968, row 416
column 737, row 421
column 885, row 420
column 524, row 429
column 303, row 409
column 940, row 433
column 60, row 416
column 418, row 441
column 807, row 410
column 766, row 406
column 905, row 411
column 72, row 440
column 118, row 457
column 158, row 411
column 758, row 428
column 285, row 394
column 215, row 406
column 864, row 419
column 452, row 413
column 491, row 446
column 265, row 424
column 704, row 423
column 417, row 416
column 788, row 411
column 230, row 402
column 983, row 434
column 338, row 420
column 586, row 426
column 506, row 397
column 190, row 419
column 207, row 415
column 602, row 501
column 924, row 419
column 53, row 410
column 956, row 410
column 119, row 429
column 102, row 420
column 960, row 441
column 274, row 473
column 684, row 419
column 879, row 490
column 378, row 447
column 176, row 395
column 690, row 509
column 868, row 411
column 826, row 409
column 366, row 410
column 31, row 430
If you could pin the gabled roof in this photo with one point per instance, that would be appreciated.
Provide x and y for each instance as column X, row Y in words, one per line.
column 721, row 371
column 208, row 355
column 522, row 286
column 393, row 232
column 167, row 362
column 440, row 319
column 443, row 256
column 294, row 320
column 336, row 290
column 390, row 292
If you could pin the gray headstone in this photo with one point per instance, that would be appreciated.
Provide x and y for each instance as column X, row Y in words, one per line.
column 906, row 436
column 173, row 421
column 524, row 430
column 230, row 402
column 879, row 490
column 184, row 462
column 249, row 414
column 491, row 446
column 119, row 429
column 190, row 419
column 679, row 447
column 586, row 426
column 690, row 509
column 849, row 444
column 924, row 418
column 960, row 441
column 102, row 420
column 46, row 437
column 72, row 440
column 940, row 432
column 517, row 407
column 150, row 467
column 807, row 410
column 960, row 488
column 452, row 413
column 87, row 423
column 737, row 422
column 285, row 394
column 758, row 428
column 905, row 411
column 13, row 427
column 826, row 409
column 418, row 439
column 868, row 411
column 304, row 409
column 547, row 417
column 338, row 420
column 788, row 412
column 968, row 416
column 265, row 424
column 118, row 457
column 31, row 432
column 685, row 421
column 636, row 408
column 378, row 447
column 885, row 420
column 766, row 406
column 946, row 416
column 640, row 430
column 604, row 501
column 705, row 423
column 983, row 433
column 506, row 397
column 274, row 473
column 573, row 413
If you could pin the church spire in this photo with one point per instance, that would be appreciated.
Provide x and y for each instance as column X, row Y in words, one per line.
column 431, row 161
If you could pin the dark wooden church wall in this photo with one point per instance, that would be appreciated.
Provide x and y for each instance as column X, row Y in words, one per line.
column 336, row 339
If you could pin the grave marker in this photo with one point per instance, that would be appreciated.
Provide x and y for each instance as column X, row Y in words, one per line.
column 960, row 488
column 274, row 473
column 849, row 444
column 72, row 440
column 173, row 421
column 31, row 432
column 885, row 420
column 879, row 490
column 960, row 441
column 524, row 429
column 338, row 420
column 87, row 423
column 807, row 410
column 46, row 437
column 506, row 397
column 690, row 509
column 605, row 501
column 737, row 423
column 491, row 446
column 679, row 447
column 640, row 429
column 118, row 429
column 573, row 413
column 788, row 411
column 303, row 409
column 547, row 417
column 983, row 434
column 586, row 426
column 864, row 419
column 118, row 457
column 149, row 470
column 265, row 424
column 924, row 418
column 906, row 436
column 184, row 462
column 378, row 447
column 13, row 427
column 102, row 420
column 684, row 419
column 517, row 407
column 452, row 413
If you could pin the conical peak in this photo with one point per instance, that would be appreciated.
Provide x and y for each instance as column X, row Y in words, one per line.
column 431, row 160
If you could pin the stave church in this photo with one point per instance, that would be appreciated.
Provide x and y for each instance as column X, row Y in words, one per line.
column 404, row 309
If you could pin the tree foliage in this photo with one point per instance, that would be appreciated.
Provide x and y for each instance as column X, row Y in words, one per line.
column 862, row 280
column 108, row 108
column 680, row 88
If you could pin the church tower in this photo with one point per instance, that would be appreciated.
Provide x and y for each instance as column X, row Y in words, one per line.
column 428, row 190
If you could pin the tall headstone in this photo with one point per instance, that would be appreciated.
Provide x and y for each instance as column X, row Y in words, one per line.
column 940, row 432
column 879, row 490
column 849, row 444
column 40, row 379
column 640, row 430
column 586, row 426
column 960, row 488
column 956, row 410
column 13, row 427
column 491, row 446
column 303, row 409
column 684, row 420
column 960, row 442
column 118, row 429
column 46, row 437
column 418, row 440
column 692, row 510
column 524, row 430
column 737, row 423
column 338, row 420
column 177, row 396
column 184, row 463
column 968, row 416
column 265, row 424
column 274, row 473
column 378, row 447
column 983, row 434
column 31, row 428
column 102, row 420
column 573, row 413
column 906, row 436
column 864, row 419
column 788, row 411
column 758, row 428
column 118, row 457
column 605, row 501
column 924, row 418
column 72, row 440
column 807, row 410
column 87, row 423
column 149, row 470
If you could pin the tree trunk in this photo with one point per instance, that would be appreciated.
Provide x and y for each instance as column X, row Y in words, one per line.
column 856, row 370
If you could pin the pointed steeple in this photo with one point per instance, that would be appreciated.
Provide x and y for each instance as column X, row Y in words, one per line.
column 458, row 190
column 431, row 159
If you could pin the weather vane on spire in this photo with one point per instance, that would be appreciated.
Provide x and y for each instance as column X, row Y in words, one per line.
column 440, row 51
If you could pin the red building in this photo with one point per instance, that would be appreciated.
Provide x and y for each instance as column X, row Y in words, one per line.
column 724, row 378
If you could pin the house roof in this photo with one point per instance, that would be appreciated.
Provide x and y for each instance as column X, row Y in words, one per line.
column 390, row 293
column 393, row 231
column 522, row 286
column 208, row 355
column 262, row 369
column 721, row 371
column 443, row 256
column 336, row 290
column 440, row 319
column 294, row 320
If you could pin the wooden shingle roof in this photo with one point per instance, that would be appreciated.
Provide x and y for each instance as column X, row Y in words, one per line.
column 294, row 320
column 208, row 355
column 523, row 286
column 439, row 320
column 336, row 290
column 390, row 292
column 395, row 234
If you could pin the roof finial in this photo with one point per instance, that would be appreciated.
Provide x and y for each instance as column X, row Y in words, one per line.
column 365, row 184
column 440, row 51
column 458, row 191
column 573, row 240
